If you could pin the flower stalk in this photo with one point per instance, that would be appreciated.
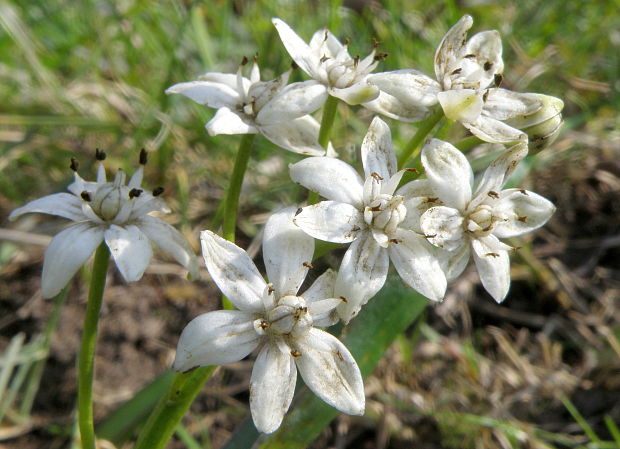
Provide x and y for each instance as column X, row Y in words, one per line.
column 413, row 147
column 87, row 347
column 327, row 122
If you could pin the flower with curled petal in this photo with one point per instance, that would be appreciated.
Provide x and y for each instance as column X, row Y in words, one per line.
column 373, row 216
column 463, row 221
column 110, row 211
column 249, row 106
column 277, row 319
column 468, row 73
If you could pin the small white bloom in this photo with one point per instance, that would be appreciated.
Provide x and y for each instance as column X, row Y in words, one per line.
column 326, row 60
column 110, row 211
column 458, row 219
column 248, row 106
column 372, row 215
column 274, row 317
column 468, row 73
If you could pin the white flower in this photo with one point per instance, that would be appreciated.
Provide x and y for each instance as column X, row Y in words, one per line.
column 274, row 317
column 110, row 211
column 248, row 106
column 468, row 73
column 328, row 61
column 459, row 219
column 373, row 217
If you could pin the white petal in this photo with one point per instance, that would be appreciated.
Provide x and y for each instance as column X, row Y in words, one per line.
column 417, row 264
column 451, row 45
column 494, row 131
column 287, row 251
column 419, row 196
column 493, row 269
column 131, row 250
column 331, row 221
column 226, row 121
column 272, row 387
column 410, row 87
column 449, row 172
column 392, row 107
column 216, row 338
column 300, row 135
column 443, row 226
column 61, row 204
column 463, row 105
column 228, row 79
column 212, row 94
column 171, row 241
column 498, row 172
column 331, row 178
column 357, row 93
column 454, row 262
column 503, row 104
column 487, row 48
column 295, row 100
column 377, row 150
column 523, row 211
column 301, row 53
column 233, row 271
column 330, row 371
column 66, row 253
column 321, row 288
column 362, row 274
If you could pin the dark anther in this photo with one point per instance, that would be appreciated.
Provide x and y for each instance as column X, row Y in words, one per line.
column 326, row 35
column 85, row 196
column 295, row 353
column 340, row 356
column 308, row 265
column 255, row 58
column 324, row 58
column 497, row 79
column 298, row 211
column 344, row 300
column 135, row 193
column 522, row 219
column 75, row 164
column 264, row 325
column 294, row 66
column 493, row 194
column 158, row 191
column 456, row 71
column 143, row 157
column 413, row 170
column 356, row 60
column 523, row 192
column 270, row 289
column 430, row 236
column 355, row 228
column 375, row 209
column 375, row 42
column 494, row 255
column 470, row 56
column 100, row 154
column 347, row 41
column 244, row 61
column 395, row 241
column 376, row 176
column 488, row 228
column 430, row 199
column 488, row 65
column 380, row 56
column 485, row 95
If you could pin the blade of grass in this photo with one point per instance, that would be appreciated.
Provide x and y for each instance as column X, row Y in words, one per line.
column 613, row 429
column 578, row 417
column 186, row 437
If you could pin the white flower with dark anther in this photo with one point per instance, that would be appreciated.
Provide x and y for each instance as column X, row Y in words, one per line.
column 468, row 73
column 372, row 215
column 277, row 319
column 462, row 221
column 110, row 211
column 326, row 60
column 249, row 106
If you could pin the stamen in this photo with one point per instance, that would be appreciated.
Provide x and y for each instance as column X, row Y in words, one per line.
column 380, row 56
column 524, row 192
column 255, row 58
column 522, row 219
column 294, row 66
column 414, row 170
column 375, row 42
column 298, row 211
column 355, row 228
column 75, row 164
column 487, row 65
column 356, row 60
column 135, row 193
column 100, row 154
column 244, row 61
column 395, row 241
column 143, row 157
column 264, row 325
column 430, row 236
column 376, row 176
column 485, row 95
column 340, row 356
column 456, row 71
column 344, row 300
column 85, row 196
column 493, row 194
column 324, row 58
column 497, row 79
column 431, row 199
column 158, row 191
column 470, row 56
column 347, row 41
column 270, row 289
column 308, row 265
column 295, row 353
column 494, row 255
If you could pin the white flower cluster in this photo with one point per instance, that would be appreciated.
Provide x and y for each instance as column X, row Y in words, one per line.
column 428, row 228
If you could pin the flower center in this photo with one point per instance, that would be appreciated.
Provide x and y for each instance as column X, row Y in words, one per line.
column 289, row 317
column 385, row 213
column 481, row 221
column 110, row 197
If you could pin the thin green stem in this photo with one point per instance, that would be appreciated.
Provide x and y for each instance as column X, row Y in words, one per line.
column 234, row 188
column 327, row 121
column 412, row 148
column 468, row 143
column 87, row 347
column 171, row 408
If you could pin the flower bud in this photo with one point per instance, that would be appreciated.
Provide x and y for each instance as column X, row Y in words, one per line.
column 542, row 126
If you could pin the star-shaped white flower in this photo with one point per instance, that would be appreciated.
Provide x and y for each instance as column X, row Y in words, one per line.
column 468, row 72
column 110, row 211
column 326, row 60
column 459, row 219
column 248, row 106
column 276, row 319
column 372, row 215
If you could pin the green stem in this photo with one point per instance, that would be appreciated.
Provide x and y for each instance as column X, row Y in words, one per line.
column 171, row 408
column 413, row 146
column 327, row 121
column 87, row 347
column 468, row 143
column 234, row 188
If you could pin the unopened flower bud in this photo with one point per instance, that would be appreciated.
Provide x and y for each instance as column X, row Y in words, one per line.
column 542, row 126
